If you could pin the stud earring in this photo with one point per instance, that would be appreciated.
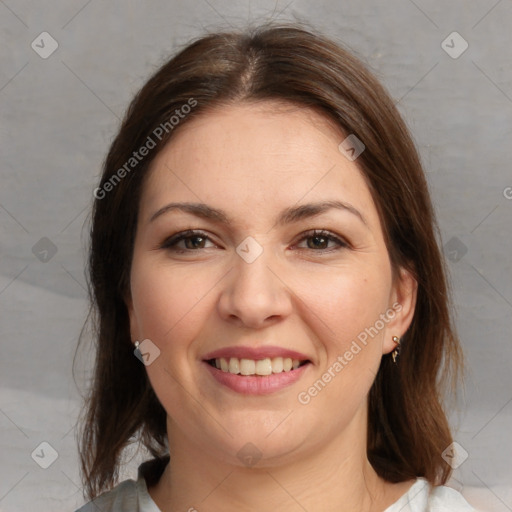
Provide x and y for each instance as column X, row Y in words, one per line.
column 396, row 352
column 137, row 353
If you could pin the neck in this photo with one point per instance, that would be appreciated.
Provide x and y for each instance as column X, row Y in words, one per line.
column 334, row 477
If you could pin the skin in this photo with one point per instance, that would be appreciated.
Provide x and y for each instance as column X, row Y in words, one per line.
column 253, row 161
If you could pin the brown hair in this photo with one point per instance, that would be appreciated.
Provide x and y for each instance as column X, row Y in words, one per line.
column 407, row 429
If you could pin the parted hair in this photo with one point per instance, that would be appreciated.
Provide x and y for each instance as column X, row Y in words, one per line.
column 407, row 424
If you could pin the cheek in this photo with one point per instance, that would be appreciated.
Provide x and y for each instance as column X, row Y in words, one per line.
column 347, row 300
column 344, row 311
column 167, row 299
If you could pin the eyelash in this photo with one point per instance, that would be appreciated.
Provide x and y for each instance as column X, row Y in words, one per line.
column 171, row 242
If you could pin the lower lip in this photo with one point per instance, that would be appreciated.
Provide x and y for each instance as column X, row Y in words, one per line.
column 257, row 385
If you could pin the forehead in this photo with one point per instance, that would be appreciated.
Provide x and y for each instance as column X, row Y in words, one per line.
column 256, row 157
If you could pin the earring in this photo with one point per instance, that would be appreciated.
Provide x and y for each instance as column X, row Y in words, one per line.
column 396, row 352
column 137, row 353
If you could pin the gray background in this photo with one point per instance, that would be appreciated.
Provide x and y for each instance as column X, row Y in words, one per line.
column 59, row 114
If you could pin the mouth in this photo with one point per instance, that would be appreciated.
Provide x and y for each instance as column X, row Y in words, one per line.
column 256, row 367
column 251, row 370
column 256, row 376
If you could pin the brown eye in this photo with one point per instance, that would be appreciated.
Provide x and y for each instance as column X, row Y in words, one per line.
column 192, row 240
column 196, row 242
column 319, row 241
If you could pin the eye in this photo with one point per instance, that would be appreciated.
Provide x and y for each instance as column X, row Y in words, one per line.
column 320, row 240
column 192, row 240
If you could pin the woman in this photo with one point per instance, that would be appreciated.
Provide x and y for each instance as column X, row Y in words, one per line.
column 271, row 303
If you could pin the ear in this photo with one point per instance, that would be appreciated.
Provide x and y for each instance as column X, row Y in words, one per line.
column 403, row 304
column 134, row 328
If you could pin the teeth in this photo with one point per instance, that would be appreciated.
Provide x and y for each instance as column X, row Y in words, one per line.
column 277, row 365
column 234, row 365
column 262, row 367
column 247, row 366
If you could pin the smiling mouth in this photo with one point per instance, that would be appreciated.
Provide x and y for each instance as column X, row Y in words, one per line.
column 256, row 367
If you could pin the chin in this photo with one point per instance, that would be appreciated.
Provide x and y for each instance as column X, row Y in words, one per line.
column 259, row 443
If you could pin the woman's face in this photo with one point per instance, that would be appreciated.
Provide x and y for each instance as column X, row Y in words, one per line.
column 254, row 286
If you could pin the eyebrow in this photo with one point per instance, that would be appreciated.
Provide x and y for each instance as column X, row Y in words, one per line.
column 287, row 216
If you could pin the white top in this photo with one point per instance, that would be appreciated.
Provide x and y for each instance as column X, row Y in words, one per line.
column 133, row 496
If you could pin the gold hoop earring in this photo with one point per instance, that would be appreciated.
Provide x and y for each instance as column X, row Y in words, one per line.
column 396, row 352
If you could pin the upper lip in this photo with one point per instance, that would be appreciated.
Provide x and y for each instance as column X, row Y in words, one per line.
column 244, row 352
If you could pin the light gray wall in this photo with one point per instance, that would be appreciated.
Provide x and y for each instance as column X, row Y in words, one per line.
column 59, row 114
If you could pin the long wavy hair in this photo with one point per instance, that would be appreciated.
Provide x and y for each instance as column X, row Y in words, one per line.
column 407, row 425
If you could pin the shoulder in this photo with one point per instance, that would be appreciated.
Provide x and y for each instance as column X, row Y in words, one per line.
column 124, row 496
column 131, row 495
column 446, row 499
column 423, row 497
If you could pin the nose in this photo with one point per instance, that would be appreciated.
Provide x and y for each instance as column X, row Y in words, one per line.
column 255, row 294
